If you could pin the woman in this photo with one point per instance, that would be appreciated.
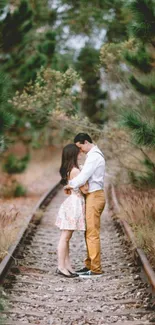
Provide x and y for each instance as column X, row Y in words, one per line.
column 71, row 215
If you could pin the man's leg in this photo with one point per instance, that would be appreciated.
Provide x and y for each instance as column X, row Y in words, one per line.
column 87, row 260
column 95, row 203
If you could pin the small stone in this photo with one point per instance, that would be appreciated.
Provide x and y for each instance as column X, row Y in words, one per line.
column 58, row 289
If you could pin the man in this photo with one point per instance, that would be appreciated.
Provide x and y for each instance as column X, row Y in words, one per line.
column 93, row 171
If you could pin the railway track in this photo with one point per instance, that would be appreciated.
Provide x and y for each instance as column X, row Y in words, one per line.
column 36, row 295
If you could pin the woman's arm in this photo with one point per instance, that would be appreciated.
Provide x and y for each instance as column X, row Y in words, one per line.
column 74, row 172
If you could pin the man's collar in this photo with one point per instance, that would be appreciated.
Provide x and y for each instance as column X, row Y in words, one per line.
column 92, row 149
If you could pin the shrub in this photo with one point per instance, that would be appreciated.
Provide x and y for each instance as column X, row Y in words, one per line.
column 12, row 189
column 20, row 190
column 15, row 165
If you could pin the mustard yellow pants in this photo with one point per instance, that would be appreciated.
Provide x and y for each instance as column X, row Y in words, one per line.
column 95, row 203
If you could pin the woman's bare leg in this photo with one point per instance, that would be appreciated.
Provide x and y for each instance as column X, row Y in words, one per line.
column 63, row 250
column 67, row 260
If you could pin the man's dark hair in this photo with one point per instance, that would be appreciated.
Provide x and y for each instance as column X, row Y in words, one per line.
column 82, row 137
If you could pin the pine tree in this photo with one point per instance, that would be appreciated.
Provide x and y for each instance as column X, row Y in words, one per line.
column 6, row 117
column 93, row 98
column 24, row 48
column 83, row 17
column 42, row 12
column 141, row 119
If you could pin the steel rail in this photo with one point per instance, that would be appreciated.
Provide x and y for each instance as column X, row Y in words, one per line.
column 4, row 265
column 142, row 256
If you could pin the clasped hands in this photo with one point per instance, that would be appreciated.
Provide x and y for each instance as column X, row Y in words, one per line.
column 67, row 189
column 84, row 189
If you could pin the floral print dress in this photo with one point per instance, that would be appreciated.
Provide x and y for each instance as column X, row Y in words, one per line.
column 71, row 215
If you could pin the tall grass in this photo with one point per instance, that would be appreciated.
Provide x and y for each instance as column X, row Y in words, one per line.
column 2, row 306
column 9, row 227
column 138, row 209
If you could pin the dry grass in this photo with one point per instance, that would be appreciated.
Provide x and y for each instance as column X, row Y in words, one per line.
column 9, row 228
column 138, row 209
column 41, row 173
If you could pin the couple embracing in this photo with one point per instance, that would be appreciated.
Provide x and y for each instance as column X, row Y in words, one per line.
column 83, row 207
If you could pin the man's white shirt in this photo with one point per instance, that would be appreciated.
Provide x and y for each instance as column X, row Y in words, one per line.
column 93, row 171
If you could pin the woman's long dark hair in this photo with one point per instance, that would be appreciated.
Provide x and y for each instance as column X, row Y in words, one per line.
column 69, row 160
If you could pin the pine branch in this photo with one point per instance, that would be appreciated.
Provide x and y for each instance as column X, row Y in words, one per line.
column 143, row 131
column 142, row 10
column 131, row 169
column 140, row 60
column 146, row 85
column 147, row 161
column 144, row 19
column 6, row 120
column 143, row 180
column 6, row 117
column 3, row 3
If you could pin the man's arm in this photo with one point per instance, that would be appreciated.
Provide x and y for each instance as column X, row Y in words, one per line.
column 87, row 171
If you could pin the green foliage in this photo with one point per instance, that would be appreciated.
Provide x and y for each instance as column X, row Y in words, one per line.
column 40, row 10
column 29, row 70
column 12, row 189
column 143, row 180
column 116, row 25
column 140, row 59
column 143, row 22
column 14, row 29
column 47, row 47
column 15, row 165
column 19, row 190
column 15, row 26
column 146, row 179
column 148, row 163
column 3, row 4
column 29, row 47
column 49, row 97
column 5, row 120
column 143, row 131
column 87, row 63
column 146, row 85
column 81, row 15
column 143, row 27
column 63, row 61
column 42, row 56
column 84, row 17
column 141, row 120
column 6, row 116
